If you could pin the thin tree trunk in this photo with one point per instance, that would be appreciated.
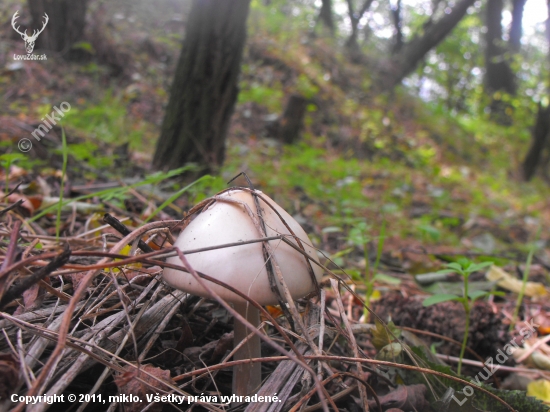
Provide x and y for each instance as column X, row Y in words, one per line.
column 204, row 90
column 396, row 17
column 355, row 17
column 499, row 76
column 540, row 136
column 405, row 62
column 516, row 26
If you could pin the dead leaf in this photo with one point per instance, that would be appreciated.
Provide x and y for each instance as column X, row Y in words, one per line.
column 274, row 311
column 536, row 359
column 382, row 334
column 224, row 344
column 32, row 298
column 27, row 205
column 186, row 339
column 9, row 375
column 511, row 283
column 76, row 278
column 129, row 384
column 540, row 389
column 17, row 172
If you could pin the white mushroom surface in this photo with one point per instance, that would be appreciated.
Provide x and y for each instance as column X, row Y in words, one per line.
column 243, row 266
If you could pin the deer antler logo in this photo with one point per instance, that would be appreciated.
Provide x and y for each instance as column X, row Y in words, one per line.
column 29, row 40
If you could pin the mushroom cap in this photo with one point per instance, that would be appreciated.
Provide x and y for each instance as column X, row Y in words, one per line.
column 243, row 266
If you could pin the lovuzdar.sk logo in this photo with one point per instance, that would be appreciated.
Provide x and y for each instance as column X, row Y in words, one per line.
column 29, row 40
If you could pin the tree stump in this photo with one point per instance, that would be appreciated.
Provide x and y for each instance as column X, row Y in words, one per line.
column 539, row 142
column 291, row 124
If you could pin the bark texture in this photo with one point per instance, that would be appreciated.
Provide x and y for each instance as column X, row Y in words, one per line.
column 65, row 26
column 204, row 90
column 405, row 61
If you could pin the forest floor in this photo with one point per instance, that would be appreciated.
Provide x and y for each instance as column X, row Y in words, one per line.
column 388, row 188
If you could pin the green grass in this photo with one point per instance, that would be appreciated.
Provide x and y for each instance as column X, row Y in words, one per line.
column 62, row 187
column 107, row 120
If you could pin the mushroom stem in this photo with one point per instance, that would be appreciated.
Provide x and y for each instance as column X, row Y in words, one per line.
column 247, row 377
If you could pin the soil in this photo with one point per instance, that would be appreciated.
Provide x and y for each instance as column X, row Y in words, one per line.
column 488, row 329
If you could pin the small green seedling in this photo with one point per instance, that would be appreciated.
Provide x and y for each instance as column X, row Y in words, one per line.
column 359, row 237
column 62, row 188
column 532, row 250
column 464, row 268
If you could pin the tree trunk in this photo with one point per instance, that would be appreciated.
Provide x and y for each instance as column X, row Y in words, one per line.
column 516, row 27
column 67, row 19
column 405, row 62
column 540, row 137
column 499, row 76
column 397, row 24
column 539, row 142
column 325, row 15
column 204, row 90
column 292, row 121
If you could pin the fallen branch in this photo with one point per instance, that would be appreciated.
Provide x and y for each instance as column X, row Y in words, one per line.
column 40, row 274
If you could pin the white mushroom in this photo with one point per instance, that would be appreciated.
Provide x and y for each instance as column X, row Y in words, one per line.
column 229, row 220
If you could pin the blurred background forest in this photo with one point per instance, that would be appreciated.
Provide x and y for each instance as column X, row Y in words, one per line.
column 347, row 111
column 401, row 134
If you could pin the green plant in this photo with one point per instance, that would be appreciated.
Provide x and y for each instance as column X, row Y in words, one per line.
column 464, row 268
column 270, row 97
column 358, row 236
column 107, row 121
column 63, row 174
column 428, row 231
column 524, row 282
column 117, row 192
column 172, row 198
column 306, row 87
column 89, row 153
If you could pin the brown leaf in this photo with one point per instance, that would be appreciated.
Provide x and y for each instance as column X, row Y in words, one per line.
column 9, row 374
column 32, row 298
column 76, row 278
column 224, row 344
column 186, row 339
column 137, row 383
column 27, row 206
